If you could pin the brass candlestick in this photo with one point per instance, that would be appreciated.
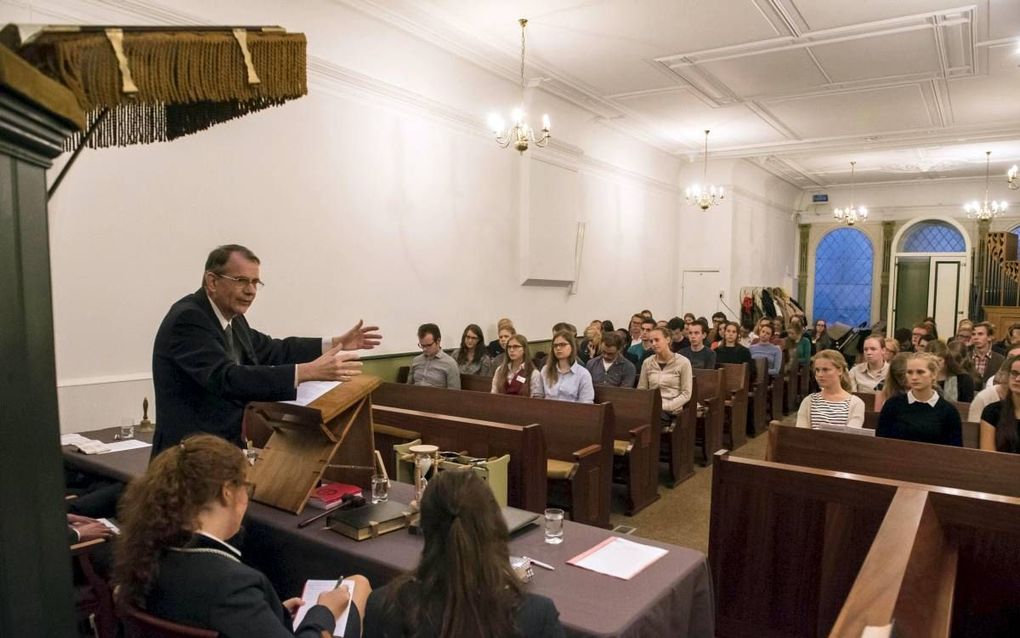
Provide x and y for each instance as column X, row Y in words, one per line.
column 146, row 425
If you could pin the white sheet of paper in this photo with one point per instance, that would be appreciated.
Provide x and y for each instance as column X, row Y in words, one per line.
column 312, row 390
column 311, row 594
column 129, row 444
column 73, row 439
column 618, row 557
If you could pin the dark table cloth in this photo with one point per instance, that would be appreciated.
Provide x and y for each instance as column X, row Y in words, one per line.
column 671, row 597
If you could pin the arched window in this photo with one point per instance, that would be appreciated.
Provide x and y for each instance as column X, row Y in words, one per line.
column 843, row 265
column 933, row 237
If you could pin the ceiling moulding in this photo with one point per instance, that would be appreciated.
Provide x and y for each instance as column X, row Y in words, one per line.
column 503, row 61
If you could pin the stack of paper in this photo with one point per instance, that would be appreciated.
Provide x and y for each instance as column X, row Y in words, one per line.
column 91, row 446
column 311, row 594
column 618, row 557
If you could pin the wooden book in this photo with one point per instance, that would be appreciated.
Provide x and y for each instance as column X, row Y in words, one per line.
column 370, row 520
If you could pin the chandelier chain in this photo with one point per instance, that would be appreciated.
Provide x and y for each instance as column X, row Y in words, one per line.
column 524, row 23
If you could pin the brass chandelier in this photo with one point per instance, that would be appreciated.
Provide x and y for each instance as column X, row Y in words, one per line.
column 519, row 133
column 852, row 214
column 704, row 195
column 986, row 210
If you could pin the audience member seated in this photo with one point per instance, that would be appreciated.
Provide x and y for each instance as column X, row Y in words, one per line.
column 678, row 334
column 472, row 357
column 625, row 335
column 1012, row 338
column 867, row 375
column 668, row 371
column 832, row 405
column 563, row 325
column 904, row 337
column 998, row 419
column 766, row 350
column 955, row 377
column 563, row 378
column 798, row 342
column 433, row 367
column 715, row 333
column 701, row 356
column 504, row 330
column 920, row 335
column 994, row 390
column 635, row 330
column 591, row 345
column 643, row 350
column 895, row 383
column 464, row 584
column 986, row 361
column 820, row 339
column 611, row 367
column 964, row 330
column 173, row 560
column 517, row 374
column 82, row 529
column 729, row 349
column 921, row 414
column 890, row 348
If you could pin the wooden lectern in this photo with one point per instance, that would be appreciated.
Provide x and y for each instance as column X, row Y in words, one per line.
column 329, row 438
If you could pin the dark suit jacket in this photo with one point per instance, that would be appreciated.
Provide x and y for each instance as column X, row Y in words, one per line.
column 199, row 388
column 384, row 618
column 204, row 584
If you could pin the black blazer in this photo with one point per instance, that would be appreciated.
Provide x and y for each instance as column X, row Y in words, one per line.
column 536, row 617
column 204, row 584
column 199, row 388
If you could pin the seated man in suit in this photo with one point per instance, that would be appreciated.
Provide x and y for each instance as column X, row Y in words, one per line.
column 207, row 363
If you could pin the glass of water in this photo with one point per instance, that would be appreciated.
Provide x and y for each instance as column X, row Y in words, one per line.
column 554, row 526
column 380, row 488
column 127, row 428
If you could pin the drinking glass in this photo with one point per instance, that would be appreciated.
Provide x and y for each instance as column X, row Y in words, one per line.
column 554, row 526
column 127, row 428
column 380, row 488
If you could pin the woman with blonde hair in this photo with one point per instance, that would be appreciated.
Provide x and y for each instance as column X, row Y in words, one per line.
column 504, row 330
column 890, row 348
column 895, row 383
column 832, row 405
column 174, row 562
column 591, row 346
column 517, row 374
column 921, row 414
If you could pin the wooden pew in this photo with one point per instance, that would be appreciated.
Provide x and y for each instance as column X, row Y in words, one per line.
column 798, row 551
column 476, row 382
column 638, row 428
column 575, row 433
column 710, row 393
column 777, row 391
column 738, row 380
column 676, row 448
column 526, row 475
column 791, row 380
column 759, row 398
column 947, row 466
column 868, row 398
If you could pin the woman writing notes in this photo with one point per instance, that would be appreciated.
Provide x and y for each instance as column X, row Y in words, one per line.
column 832, row 405
column 921, row 414
column 173, row 560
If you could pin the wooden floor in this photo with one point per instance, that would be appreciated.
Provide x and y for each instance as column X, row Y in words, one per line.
column 681, row 515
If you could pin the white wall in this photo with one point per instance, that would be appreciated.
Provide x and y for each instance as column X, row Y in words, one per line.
column 379, row 195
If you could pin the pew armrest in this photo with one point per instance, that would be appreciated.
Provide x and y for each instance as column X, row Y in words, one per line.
column 585, row 452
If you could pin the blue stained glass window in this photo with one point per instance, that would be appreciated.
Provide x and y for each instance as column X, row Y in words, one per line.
column 843, row 266
column 933, row 237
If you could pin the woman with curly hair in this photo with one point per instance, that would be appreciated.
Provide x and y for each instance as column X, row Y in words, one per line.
column 956, row 382
column 173, row 559
column 463, row 585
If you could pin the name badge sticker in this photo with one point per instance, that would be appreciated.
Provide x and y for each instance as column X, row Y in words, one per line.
column 521, row 379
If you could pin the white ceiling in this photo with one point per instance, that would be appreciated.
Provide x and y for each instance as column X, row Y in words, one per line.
column 910, row 89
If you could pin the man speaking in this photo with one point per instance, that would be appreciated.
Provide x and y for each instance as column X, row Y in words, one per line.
column 207, row 363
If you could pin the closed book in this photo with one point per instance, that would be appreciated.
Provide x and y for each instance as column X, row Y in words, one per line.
column 370, row 520
column 329, row 495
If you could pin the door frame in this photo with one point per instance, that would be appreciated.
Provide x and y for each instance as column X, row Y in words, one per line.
column 963, row 298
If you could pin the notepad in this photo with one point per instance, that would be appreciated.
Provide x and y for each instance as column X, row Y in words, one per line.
column 308, row 391
column 311, row 594
column 618, row 557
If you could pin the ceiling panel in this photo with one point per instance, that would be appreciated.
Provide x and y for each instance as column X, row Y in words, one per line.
column 828, row 14
column 886, row 56
column 685, row 117
column 854, row 113
column 777, row 73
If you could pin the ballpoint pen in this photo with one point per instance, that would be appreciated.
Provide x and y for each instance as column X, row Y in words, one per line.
column 540, row 564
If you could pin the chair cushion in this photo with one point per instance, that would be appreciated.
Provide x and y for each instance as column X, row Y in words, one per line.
column 621, row 448
column 562, row 470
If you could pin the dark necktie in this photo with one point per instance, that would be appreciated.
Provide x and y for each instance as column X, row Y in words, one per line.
column 233, row 350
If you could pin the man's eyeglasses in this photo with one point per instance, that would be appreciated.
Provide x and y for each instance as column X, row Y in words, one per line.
column 244, row 281
column 426, row 346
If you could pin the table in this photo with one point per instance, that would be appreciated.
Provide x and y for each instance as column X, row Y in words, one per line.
column 671, row 597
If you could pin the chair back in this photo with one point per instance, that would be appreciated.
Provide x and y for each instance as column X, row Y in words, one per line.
column 138, row 624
